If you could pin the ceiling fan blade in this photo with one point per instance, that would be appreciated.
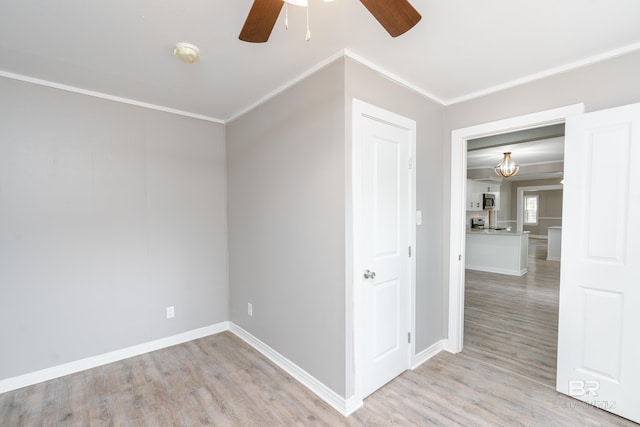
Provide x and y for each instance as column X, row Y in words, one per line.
column 396, row 16
column 260, row 21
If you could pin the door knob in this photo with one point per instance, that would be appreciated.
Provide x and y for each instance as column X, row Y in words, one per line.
column 369, row 274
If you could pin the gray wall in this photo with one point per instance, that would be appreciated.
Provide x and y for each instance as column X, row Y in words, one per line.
column 549, row 211
column 109, row 213
column 289, row 180
column 549, row 204
column 286, row 209
column 369, row 86
column 506, row 215
column 604, row 85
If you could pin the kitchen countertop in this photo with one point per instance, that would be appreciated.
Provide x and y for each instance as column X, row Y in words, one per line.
column 499, row 232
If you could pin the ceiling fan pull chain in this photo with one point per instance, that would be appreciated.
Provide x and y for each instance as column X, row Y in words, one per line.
column 286, row 15
column 308, row 35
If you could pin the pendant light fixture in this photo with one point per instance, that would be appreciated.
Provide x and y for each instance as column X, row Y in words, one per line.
column 507, row 167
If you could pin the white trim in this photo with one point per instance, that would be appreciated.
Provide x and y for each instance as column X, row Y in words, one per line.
column 547, row 73
column 354, row 331
column 413, row 191
column 340, row 54
column 428, row 353
column 444, row 102
column 498, row 270
column 106, row 96
column 47, row 374
column 538, row 236
column 337, row 402
column 282, row 88
column 457, row 236
column 393, row 77
column 457, row 233
column 497, row 88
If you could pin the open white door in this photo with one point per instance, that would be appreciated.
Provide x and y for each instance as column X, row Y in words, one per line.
column 599, row 321
column 383, row 261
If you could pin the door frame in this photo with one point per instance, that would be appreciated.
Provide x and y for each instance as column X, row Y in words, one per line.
column 354, row 266
column 457, row 230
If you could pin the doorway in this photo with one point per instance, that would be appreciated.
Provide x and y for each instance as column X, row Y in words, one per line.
column 511, row 312
column 459, row 140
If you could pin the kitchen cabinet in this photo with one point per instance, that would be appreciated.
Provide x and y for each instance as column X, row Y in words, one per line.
column 475, row 190
column 474, row 195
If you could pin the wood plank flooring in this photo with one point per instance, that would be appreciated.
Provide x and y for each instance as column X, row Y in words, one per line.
column 222, row 381
column 512, row 322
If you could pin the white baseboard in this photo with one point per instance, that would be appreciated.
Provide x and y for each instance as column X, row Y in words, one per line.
column 47, row 374
column 429, row 352
column 497, row 270
column 353, row 404
column 337, row 402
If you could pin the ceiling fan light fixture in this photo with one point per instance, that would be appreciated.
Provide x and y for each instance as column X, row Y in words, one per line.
column 507, row 167
column 186, row 52
column 395, row 16
column 301, row 3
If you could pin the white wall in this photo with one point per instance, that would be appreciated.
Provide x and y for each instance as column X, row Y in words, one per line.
column 109, row 213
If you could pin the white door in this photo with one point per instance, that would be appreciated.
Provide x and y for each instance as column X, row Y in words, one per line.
column 599, row 323
column 385, row 259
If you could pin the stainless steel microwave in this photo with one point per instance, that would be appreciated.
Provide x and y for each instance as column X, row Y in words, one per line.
column 488, row 201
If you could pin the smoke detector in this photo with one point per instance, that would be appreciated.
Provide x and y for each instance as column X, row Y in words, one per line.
column 187, row 52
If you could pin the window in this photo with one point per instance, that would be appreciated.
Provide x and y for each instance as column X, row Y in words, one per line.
column 531, row 210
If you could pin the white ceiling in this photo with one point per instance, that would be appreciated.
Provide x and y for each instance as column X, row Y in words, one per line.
column 525, row 153
column 460, row 49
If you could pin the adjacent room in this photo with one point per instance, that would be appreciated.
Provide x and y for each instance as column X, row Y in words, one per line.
column 254, row 212
column 512, row 279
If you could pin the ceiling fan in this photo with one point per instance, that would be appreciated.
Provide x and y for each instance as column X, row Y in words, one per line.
column 396, row 16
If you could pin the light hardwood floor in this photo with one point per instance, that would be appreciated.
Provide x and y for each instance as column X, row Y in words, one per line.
column 512, row 322
column 220, row 380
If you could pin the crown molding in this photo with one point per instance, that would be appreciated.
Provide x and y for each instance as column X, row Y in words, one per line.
column 106, row 96
column 391, row 76
column 310, row 71
column 344, row 53
column 605, row 56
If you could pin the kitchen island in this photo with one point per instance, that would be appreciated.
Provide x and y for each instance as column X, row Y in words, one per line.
column 497, row 251
column 554, row 245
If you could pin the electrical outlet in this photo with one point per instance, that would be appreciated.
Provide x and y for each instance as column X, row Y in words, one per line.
column 170, row 312
column 250, row 309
